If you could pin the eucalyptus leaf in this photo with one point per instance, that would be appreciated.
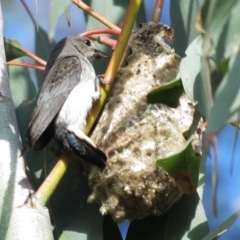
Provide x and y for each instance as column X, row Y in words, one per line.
column 220, row 21
column 42, row 48
column 168, row 94
column 185, row 162
column 58, row 7
column 67, row 14
column 185, row 220
column 202, row 89
column 190, row 66
column 222, row 228
column 13, row 49
column 227, row 97
column 21, row 85
column 183, row 16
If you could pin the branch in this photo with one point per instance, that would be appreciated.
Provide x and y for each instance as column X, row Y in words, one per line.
column 18, row 210
column 29, row 65
column 157, row 11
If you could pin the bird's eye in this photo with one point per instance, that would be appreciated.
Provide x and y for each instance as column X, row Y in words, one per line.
column 87, row 42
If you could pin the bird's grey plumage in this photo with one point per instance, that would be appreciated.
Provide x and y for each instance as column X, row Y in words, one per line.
column 67, row 94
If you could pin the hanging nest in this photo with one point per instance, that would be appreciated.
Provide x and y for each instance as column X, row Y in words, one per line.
column 134, row 134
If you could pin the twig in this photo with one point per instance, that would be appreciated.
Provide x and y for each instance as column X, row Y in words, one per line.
column 104, row 40
column 22, row 64
column 101, row 30
column 34, row 57
column 157, row 11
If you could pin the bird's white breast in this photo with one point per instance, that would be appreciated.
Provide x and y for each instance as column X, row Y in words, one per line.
column 76, row 107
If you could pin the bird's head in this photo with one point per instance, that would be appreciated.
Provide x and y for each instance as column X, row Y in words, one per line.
column 86, row 47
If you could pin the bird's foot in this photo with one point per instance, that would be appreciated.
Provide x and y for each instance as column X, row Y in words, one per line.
column 101, row 79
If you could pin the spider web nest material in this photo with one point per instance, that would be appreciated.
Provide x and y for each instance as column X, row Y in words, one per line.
column 134, row 134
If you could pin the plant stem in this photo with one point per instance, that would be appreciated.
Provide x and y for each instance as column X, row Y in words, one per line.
column 157, row 11
column 29, row 65
column 34, row 57
column 104, row 40
column 115, row 61
column 100, row 38
column 101, row 31
column 51, row 182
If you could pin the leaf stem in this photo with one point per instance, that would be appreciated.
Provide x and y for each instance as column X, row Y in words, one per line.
column 102, row 39
column 101, row 31
column 34, row 57
column 29, row 65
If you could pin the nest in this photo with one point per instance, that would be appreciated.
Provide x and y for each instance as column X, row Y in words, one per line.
column 134, row 134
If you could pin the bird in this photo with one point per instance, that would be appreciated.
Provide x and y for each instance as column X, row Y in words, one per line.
column 69, row 89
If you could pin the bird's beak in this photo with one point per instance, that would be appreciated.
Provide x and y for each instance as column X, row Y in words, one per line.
column 100, row 54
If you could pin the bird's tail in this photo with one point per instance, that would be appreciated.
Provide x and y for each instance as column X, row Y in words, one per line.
column 84, row 150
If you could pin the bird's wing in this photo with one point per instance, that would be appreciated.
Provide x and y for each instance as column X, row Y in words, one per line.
column 62, row 77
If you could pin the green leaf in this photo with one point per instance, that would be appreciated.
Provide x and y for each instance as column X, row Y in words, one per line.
column 42, row 49
column 21, row 85
column 215, row 14
column 190, row 66
column 184, row 164
column 67, row 14
column 188, row 219
column 58, row 7
column 141, row 17
column 227, row 97
column 13, row 49
column 231, row 32
column 222, row 228
column 220, row 21
column 202, row 89
column 185, row 220
column 168, row 94
column 183, row 17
